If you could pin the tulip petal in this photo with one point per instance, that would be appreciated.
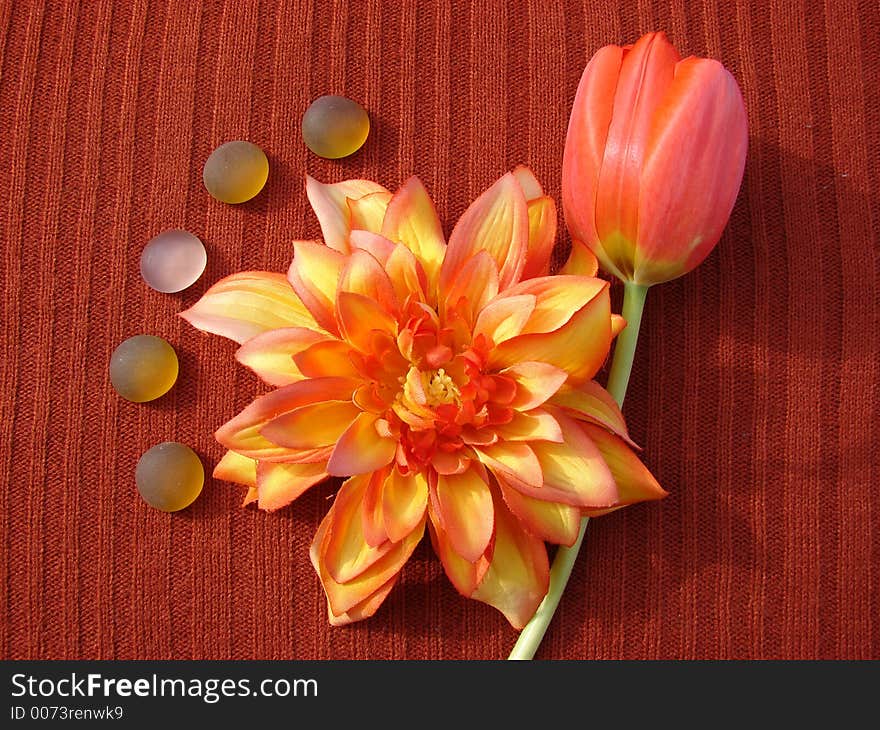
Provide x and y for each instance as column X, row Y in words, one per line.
column 244, row 305
column 585, row 148
column 242, row 433
column 271, row 354
column 368, row 211
column 497, row 222
column 549, row 521
column 536, row 382
column 700, row 126
column 234, row 467
column 346, row 553
column 464, row 575
column 312, row 426
column 412, row 220
column 279, row 484
column 519, row 573
column 360, row 449
column 579, row 347
column 404, row 500
column 314, row 276
column 590, row 402
column 330, row 203
column 634, row 482
column 645, row 76
column 465, row 510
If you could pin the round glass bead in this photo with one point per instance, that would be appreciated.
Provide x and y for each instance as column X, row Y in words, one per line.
column 334, row 127
column 236, row 171
column 142, row 368
column 170, row 476
column 172, row 261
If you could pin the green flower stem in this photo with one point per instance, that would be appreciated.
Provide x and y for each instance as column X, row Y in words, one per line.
column 618, row 378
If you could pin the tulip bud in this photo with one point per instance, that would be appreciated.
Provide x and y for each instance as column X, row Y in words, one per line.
column 654, row 159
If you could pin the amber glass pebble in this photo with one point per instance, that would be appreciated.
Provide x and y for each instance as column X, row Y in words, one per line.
column 334, row 127
column 169, row 476
column 142, row 368
column 236, row 171
column 172, row 261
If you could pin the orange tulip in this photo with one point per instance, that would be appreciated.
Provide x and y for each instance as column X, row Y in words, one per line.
column 450, row 384
column 654, row 159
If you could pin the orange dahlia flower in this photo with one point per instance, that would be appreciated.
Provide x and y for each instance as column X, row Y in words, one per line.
column 449, row 383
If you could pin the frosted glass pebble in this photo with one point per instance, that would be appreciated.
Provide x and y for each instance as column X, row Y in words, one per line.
column 335, row 126
column 142, row 368
column 172, row 261
column 235, row 171
column 169, row 476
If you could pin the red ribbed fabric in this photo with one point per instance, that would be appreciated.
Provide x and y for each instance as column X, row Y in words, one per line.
column 755, row 387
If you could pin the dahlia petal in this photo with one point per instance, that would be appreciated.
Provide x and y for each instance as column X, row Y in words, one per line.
column 634, row 482
column 359, row 317
column 360, row 449
column 557, row 299
column 364, row 275
column 464, row 506
column 536, row 382
column 330, row 203
column 512, row 462
column 412, row 220
column 252, row 496
column 242, row 433
column 367, row 586
column 505, row 317
column 279, row 484
column 574, row 471
column 549, row 521
column 327, row 358
column 497, row 222
column 581, row 261
column 542, row 237
column 404, row 500
column 618, row 324
column 271, row 354
column 464, row 575
column 579, row 347
column 475, row 284
column 519, row 573
column 589, row 401
column 312, row 426
column 536, row 425
column 407, row 275
column 244, row 305
column 367, row 212
column 528, row 183
column 346, row 553
column 371, row 511
column 314, row 276
column 379, row 247
column 234, row 467
column 365, row 608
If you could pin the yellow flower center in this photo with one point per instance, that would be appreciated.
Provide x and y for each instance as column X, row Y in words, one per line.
column 440, row 388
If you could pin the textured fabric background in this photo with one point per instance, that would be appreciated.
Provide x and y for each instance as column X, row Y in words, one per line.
column 755, row 387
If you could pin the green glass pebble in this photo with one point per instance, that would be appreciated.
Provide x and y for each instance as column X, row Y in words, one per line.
column 170, row 476
column 335, row 126
column 143, row 368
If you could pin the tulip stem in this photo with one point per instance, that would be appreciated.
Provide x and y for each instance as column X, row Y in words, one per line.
column 618, row 379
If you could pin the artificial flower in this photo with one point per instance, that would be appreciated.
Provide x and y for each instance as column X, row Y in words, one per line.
column 653, row 160
column 449, row 384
